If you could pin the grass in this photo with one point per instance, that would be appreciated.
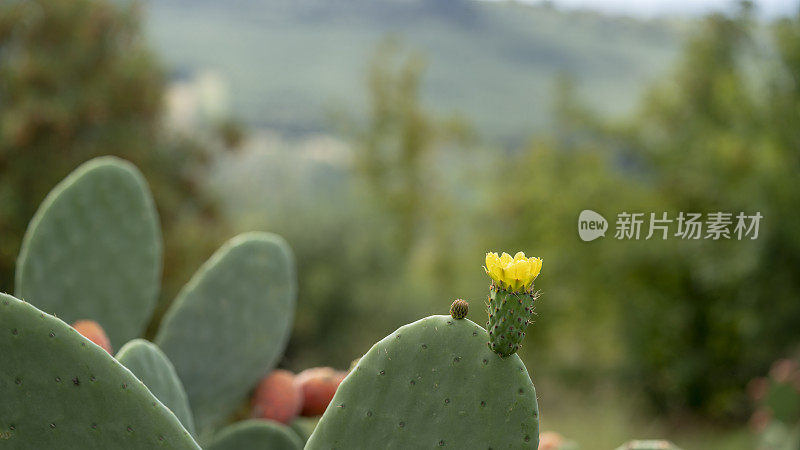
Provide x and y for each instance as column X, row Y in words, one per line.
column 605, row 419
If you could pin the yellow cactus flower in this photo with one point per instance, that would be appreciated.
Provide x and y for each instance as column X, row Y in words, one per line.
column 515, row 274
column 494, row 267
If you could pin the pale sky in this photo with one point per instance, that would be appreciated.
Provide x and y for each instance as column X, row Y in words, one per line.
column 649, row 8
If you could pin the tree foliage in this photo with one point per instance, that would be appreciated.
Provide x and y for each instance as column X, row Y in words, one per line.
column 78, row 81
column 688, row 322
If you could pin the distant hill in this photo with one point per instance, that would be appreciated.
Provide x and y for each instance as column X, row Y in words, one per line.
column 288, row 62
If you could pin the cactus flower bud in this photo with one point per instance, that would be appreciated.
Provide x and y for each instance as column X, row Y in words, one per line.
column 459, row 309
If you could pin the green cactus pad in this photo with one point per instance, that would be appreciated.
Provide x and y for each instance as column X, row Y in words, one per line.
column 256, row 434
column 59, row 390
column 304, row 426
column 230, row 323
column 93, row 250
column 509, row 316
column 151, row 366
column 432, row 383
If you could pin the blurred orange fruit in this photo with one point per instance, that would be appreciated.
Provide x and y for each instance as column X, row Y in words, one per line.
column 318, row 386
column 92, row 331
column 277, row 397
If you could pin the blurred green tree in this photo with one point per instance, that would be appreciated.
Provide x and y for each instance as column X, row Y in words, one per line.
column 77, row 81
column 692, row 320
column 709, row 142
column 397, row 145
column 698, row 319
column 382, row 251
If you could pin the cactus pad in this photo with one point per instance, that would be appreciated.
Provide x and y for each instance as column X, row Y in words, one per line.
column 93, row 250
column 256, row 434
column 432, row 383
column 60, row 390
column 151, row 366
column 304, row 426
column 510, row 314
column 230, row 323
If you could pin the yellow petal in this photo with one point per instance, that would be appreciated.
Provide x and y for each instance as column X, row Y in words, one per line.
column 522, row 269
column 510, row 282
column 493, row 267
column 515, row 273
column 492, row 260
column 497, row 274
column 536, row 267
column 506, row 259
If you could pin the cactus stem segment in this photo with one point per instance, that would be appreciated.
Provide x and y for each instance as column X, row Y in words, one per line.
column 508, row 323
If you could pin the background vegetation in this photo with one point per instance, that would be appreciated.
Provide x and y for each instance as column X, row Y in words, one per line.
column 390, row 201
column 77, row 81
column 291, row 61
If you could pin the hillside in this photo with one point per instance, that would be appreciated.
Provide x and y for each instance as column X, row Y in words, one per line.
column 289, row 63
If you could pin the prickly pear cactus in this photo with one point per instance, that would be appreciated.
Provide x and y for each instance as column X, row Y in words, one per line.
column 93, row 250
column 511, row 298
column 432, row 383
column 256, row 434
column 151, row 366
column 59, row 390
column 304, row 426
column 230, row 323
column 510, row 313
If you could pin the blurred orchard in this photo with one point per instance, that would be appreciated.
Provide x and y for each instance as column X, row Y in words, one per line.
column 397, row 224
